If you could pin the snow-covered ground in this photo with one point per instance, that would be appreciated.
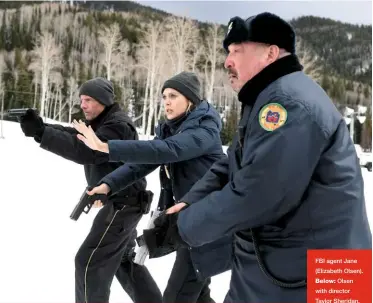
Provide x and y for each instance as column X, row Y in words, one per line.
column 39, row 241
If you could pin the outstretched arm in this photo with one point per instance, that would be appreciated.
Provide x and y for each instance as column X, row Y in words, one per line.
column 64, row 142
column 186, row 145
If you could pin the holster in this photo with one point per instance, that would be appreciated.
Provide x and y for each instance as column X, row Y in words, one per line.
column 145, row 199
column 154, row 239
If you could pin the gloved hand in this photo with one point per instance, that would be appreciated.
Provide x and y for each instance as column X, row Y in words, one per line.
column 172, row 236
column 164, row 238
column 32, row 125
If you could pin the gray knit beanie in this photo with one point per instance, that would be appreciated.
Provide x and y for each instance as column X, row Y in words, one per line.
column 187, row 84
column 99, row 89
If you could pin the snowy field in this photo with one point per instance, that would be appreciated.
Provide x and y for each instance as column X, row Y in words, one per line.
column 39, row 241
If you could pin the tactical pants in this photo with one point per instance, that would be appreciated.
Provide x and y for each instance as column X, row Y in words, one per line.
column 183, row 285
column 104, row 253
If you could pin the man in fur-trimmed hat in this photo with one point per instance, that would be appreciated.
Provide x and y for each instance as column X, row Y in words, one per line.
column 108, row 248
column 292, row 180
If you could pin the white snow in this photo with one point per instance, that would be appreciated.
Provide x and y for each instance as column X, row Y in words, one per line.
column 39, row 240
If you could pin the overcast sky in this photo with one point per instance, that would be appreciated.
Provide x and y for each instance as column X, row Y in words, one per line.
column 356, row 12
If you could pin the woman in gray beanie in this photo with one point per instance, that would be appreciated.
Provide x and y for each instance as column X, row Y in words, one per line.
column 185, row 147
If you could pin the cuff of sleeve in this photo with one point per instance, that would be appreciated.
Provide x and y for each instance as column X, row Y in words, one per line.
column 45, row 138
column 182, row 233
column 111, row 184
column 101, row 157
column 188, row 199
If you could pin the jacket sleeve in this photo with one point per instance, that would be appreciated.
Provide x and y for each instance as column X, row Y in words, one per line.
column 65, row 143
column 274, row 174
column 70, row 130
column 215, row 179
column 186, row 145
column 125, row 175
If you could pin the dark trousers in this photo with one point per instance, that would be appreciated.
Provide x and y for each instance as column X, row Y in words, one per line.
column 104, row 253
column 183, row 285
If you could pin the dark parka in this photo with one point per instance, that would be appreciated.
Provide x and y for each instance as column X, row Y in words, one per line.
column 112, row 123
column 188, row 155
column 295, row 188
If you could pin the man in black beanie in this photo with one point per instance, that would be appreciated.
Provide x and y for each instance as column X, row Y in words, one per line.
column 108, row 248
column 292, row 180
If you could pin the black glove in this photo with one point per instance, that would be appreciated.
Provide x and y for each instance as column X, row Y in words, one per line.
column 155, row 241
column 168, row 222
column 164, row 238
column 32, row 125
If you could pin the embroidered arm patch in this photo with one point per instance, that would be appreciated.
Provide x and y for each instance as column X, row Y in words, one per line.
column 272, row 116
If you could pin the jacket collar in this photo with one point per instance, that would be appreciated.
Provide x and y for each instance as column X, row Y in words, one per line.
column 193, row 118
column 108, row 111
column 284, row 66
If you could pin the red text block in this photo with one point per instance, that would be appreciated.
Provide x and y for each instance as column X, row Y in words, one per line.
column 339, row 276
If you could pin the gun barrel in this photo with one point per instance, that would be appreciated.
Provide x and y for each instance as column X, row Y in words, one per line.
column 17, row 112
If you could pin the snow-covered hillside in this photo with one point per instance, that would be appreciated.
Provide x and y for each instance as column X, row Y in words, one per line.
column 39, row 241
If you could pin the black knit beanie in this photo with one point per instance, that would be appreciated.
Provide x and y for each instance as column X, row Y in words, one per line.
column 99, row 89
column 262, row 28
column 187, row 84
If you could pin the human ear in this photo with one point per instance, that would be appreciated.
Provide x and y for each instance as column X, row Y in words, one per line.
column 273, row 53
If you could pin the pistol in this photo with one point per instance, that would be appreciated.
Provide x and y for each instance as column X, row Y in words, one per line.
column 19, row 112
column 85, row 203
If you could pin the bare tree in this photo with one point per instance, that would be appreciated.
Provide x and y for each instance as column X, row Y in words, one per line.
column 74, row 58
column 25, row 17
column 46, row 58
column 150, row 55
column 213, row 57
column 61, row 23
column 56, row 81
column 73, row 98
column 110, row 38
column 2, row 92
column 182, row 34
column 71, row 101
column 143, row 79
column 157, row 57
column 36, row 82
column 197, row 51
column 10, row 60
column 121, row 71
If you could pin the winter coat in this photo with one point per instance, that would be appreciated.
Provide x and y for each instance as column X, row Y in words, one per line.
column 292, row 182
column 188, row 154
column 111, row 124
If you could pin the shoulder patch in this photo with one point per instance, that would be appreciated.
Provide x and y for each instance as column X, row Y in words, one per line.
column 272, row 116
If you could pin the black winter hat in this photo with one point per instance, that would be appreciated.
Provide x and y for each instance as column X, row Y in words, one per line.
column 186, row 83
column 99, row 89
column 263, row 28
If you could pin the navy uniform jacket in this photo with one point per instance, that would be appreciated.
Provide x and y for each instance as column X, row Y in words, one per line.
column 292, row 179
column 188, row 154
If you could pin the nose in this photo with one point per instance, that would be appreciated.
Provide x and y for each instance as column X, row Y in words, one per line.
column 166, row 101
column 228, row 63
